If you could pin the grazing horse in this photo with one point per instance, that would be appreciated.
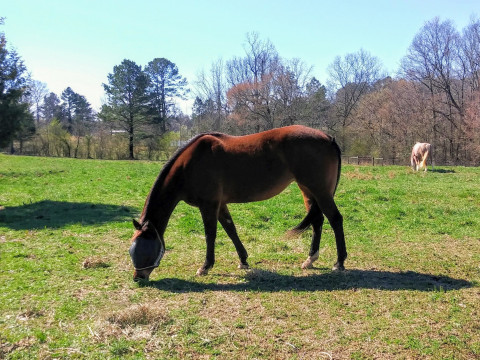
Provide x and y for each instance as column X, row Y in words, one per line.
column 420, row 154
column 215, row 169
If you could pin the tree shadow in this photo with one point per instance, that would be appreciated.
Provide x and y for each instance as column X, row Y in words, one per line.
column 57, row 214
column 267, row 281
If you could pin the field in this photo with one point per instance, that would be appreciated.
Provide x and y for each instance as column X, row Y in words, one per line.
column 411, row 289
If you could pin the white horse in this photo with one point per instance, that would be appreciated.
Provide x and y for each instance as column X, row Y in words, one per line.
column 420, row 154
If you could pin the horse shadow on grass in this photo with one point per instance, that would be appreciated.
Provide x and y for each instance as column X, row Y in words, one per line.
column 443, row 171
column 58, row 214
column 267, row 281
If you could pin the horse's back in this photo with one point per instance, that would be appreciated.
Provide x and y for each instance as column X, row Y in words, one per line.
column 259, row 166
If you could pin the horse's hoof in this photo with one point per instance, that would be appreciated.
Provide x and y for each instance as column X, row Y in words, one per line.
column 307, row 264
column 202, row 272
column 243, row 266
column 338, row 267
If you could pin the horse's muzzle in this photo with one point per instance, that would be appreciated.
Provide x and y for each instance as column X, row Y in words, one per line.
column 139, row 275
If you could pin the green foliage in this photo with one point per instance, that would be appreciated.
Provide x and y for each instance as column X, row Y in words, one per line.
column 60, row 139
column 168, row 143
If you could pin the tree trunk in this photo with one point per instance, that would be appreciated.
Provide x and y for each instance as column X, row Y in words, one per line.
column 130, row 140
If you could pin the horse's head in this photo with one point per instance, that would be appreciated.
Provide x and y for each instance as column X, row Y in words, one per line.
column 147, row 249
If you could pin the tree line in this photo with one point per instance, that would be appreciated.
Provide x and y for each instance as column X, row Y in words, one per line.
column 434, row 97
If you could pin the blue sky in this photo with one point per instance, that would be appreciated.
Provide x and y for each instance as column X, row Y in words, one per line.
column 77, row 43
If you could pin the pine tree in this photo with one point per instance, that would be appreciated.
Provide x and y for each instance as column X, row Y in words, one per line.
column 16, row 121
column 127, row 103
column 165, row 85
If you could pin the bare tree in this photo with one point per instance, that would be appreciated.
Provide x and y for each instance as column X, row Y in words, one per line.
column 251, row 82
column 255, row 92
column 37, row 91
column 290, row 83
column 472, row 120
column 211, row 88
column 471, row 52
column 350, row 78
column 434, row 60
column 390, row 119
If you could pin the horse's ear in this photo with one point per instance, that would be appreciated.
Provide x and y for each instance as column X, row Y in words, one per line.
column 137, row 225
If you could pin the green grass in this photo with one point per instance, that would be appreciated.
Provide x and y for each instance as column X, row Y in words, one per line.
column 411, row 289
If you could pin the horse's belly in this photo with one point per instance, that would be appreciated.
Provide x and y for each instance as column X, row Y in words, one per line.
column 255, row 188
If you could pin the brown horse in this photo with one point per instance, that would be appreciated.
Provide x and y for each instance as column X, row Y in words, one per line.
column 215, row 169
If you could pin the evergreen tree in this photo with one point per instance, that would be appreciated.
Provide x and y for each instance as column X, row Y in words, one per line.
column 317, row 104
column 51, row 107
column 76, row 110
column 165, row 85
column 16, row 121
column 68, row 107
column 127, row 104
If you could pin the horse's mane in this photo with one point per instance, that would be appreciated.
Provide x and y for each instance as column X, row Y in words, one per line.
column 168, row 165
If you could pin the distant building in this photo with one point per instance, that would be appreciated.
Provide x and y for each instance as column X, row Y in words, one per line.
column 118, row 132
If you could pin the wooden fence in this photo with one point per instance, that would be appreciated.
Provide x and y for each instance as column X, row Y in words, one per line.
column 370, row 160
column 380, row 161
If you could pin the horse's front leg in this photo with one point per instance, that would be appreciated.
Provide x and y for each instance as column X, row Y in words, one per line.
column 210, row 217
column 227, row 223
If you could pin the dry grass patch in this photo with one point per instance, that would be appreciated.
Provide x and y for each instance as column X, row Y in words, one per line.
column 143, row 314
column 94, row 263
column 357, row 175
column 135, row 323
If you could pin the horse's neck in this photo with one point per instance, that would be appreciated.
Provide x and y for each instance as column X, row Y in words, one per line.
column 159, row 207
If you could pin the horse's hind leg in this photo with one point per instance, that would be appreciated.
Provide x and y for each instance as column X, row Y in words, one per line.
column 329, row 208
column 317, row 223
column 315, row 218
column 227, row 223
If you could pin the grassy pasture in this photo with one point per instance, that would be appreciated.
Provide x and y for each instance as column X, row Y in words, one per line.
column 411, row 289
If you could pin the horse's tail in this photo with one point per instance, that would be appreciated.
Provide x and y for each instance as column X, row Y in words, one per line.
column 339, row 153
column 307, row 221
